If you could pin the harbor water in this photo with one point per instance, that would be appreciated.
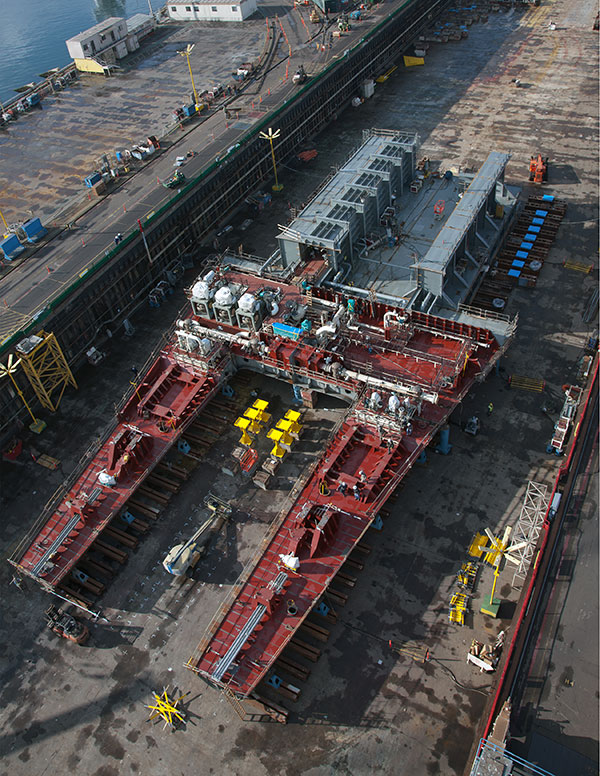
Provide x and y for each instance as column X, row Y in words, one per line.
column 33, row 34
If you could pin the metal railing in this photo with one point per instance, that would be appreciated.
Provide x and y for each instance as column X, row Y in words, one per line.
column 478, row 312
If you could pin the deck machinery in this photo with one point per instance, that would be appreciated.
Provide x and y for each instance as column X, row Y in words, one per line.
column 402, row 373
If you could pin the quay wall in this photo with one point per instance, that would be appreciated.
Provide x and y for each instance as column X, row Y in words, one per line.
column 111, row 290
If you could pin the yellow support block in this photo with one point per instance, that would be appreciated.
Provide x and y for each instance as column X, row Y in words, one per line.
column 257, row 416
column 292, row 415
column 244, row 423
column 289, row 426
column 412, row 61
column 277, row 451
column 255, row 427
column 280, row 437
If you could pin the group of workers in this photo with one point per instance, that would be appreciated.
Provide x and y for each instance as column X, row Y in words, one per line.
column 356, row 488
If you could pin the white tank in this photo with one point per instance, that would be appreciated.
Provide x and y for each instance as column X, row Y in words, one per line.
column 375, row 400
column 224, row 297
column 104, row 478
column 210, row 276
column 246, row 303
column 393, row 403
column 200, row 290
column 206, row 346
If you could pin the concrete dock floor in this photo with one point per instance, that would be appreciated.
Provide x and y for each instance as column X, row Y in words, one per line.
column 365, row 709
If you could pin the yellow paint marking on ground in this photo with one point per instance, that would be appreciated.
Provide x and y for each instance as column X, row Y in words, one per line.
column 546, row 66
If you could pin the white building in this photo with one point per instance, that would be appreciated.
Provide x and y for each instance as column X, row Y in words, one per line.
column 106, row 40
column 216, row 11
column 140, row 25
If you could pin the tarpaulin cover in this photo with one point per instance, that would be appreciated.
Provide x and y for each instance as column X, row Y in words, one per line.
column 283, row 330
column 34, row 230
column 11, row 247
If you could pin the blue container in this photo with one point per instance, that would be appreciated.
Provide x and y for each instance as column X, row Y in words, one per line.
column 34, row 231
column 526, row 245
column 534, row 229
column 92, row 179
column 538, row 221
column 289, row 332
column 548, row 198
column 514, row 273
column 518, row 264
column 521, row 254
column 11, row 247
column 541, row 213
column 530, row 237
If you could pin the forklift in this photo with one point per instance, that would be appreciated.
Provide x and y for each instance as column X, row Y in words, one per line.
column 299, row 76
column 538, row 169
column 182, row 558
column 65, row 625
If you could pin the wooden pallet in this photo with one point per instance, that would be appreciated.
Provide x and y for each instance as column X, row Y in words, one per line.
column 48, row 462
column 578, row 266
column 527, row 383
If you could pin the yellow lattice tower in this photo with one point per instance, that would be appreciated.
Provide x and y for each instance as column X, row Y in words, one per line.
column 46, row 368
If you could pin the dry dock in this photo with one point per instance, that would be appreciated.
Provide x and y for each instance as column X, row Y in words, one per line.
column 364, row 708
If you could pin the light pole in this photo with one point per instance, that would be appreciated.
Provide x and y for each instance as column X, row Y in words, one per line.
column 270, row 137
column 500, row 549
column 186, row 53
column 7, row 371
column 4, row 222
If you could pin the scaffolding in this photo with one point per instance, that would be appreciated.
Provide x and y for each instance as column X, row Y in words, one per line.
column 528, row 527
column 46, row 368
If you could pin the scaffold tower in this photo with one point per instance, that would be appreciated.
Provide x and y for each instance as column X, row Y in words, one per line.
column 46, row 368
column 529, row 526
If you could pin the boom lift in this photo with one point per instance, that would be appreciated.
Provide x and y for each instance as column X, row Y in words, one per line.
column 182, row 558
